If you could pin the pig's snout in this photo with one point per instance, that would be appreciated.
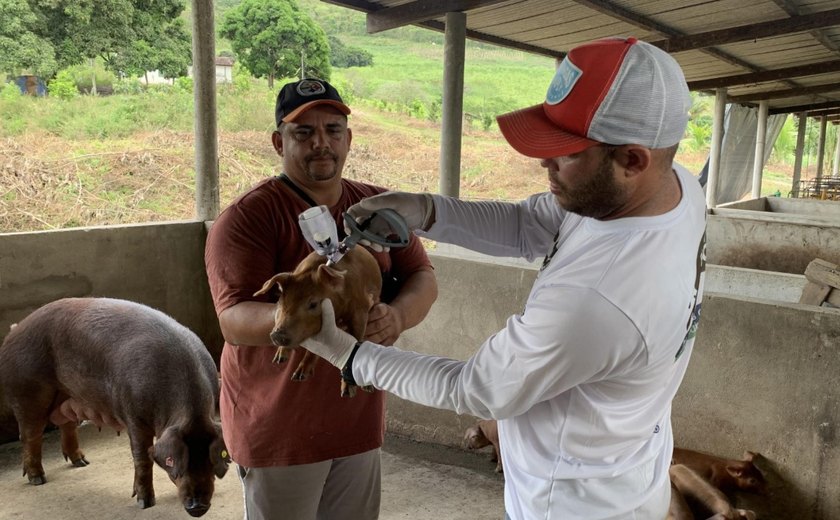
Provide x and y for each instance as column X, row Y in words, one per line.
column 281, row 337
column 195, row 507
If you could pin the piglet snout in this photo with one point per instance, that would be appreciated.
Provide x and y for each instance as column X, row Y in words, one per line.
column 281, row 337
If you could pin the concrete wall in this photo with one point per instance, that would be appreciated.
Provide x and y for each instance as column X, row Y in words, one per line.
column 160, row 265
column 761, row 378
column 768, row 285
column 475, row 299
column 770, row 241
column 802, row 207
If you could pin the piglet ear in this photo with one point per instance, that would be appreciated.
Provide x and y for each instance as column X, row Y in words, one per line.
column 331, row 276
column 749, row 456
column 171, row 453
column 736, row 471
column 279, row 279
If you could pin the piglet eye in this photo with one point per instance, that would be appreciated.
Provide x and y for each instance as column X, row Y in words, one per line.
column 313, row 305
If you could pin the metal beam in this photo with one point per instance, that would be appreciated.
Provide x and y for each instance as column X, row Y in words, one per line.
column 818, row 34
column 496, row 40
column 787, row 93
column 618, row 12
column 767, row 75
column 749, row 32
column 825, row 112
column 615, row 10
column 805, row 108
column 369, row 7
column 419, row 11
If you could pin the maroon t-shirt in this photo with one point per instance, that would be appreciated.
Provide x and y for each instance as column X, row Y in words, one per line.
column 268, row 419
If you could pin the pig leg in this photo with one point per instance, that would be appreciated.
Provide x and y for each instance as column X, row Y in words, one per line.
column 143, row 464
column 31, row 405
column 282, row 355
column 70, row 445
column 306, row 367
column 32, row 437
column 678, row 508
column 693, row 486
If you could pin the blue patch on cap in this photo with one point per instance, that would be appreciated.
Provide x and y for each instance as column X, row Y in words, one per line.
column 564, row 80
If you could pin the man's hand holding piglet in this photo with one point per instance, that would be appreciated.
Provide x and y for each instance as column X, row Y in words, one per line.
column 385, row 324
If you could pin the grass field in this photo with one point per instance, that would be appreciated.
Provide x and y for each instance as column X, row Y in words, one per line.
column 129, row 158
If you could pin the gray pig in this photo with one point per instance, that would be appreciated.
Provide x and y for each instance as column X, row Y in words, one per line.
column 124, row 365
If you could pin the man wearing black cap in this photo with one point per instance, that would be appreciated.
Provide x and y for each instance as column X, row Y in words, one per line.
column 303, row 452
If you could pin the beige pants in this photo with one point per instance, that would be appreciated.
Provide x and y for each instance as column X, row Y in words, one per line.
column 348, row 488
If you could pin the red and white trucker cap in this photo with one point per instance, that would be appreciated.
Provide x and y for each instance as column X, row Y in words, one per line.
column 614, row 91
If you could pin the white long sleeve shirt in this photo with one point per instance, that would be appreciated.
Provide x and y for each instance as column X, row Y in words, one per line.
column 582, row 380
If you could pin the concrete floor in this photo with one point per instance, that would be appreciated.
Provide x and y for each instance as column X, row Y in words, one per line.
column 420, row 482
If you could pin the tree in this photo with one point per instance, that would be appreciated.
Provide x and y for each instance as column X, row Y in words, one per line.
column 130, row 35
column 166, row 47
column 344, row 56
column 273, row 37
column 21, row 48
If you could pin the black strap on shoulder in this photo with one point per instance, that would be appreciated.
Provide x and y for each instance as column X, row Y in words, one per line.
column 297, row 189
column 306, row 198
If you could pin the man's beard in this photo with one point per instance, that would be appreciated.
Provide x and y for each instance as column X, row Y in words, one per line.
column 597, row 196
column 320, row 173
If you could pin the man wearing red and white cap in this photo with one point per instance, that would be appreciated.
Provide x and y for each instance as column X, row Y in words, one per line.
column 581, row 381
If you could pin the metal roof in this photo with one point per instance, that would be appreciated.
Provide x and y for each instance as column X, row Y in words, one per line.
column 784, row 51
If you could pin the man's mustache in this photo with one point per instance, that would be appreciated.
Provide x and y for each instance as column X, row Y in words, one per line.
column 316, row 156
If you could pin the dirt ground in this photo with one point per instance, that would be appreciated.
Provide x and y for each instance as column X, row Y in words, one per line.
column 419, row 482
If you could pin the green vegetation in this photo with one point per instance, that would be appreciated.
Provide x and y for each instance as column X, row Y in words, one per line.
column 71, row 160
column 128, row 36
column 273, row 38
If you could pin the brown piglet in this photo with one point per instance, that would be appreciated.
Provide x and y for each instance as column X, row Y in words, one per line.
column 353, row 285
column 724, row 474
column 484, row 433
column 690, row 486
column 124, row 365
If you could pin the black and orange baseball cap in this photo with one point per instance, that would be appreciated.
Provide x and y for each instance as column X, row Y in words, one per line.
column 298, row 97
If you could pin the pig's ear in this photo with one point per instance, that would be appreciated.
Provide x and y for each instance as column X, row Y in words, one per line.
column 279, row 279
column 219, row 456
column 170, row 452
column 331, row 276
column 749, row 456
